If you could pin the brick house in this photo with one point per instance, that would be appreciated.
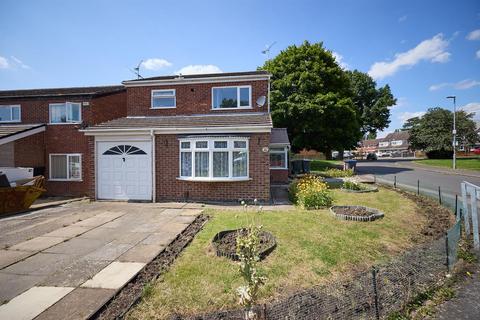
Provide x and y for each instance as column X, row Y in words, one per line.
column 192, row 137
column 40, row 128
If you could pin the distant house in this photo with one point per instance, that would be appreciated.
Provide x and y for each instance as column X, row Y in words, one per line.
column 367, row 146
column 396, row 144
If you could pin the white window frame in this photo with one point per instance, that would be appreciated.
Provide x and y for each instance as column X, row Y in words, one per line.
column 174, row 96
column 284, row 151
column 210, row 149
column 238, row 97
column 68, row 166
column 396, row 143
column 68, row 111
column 12, row 106
column 383, row 144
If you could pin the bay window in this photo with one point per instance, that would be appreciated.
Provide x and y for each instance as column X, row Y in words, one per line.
column 232, row 97
column 68, row 112
column 279, row 158
column 214, row 159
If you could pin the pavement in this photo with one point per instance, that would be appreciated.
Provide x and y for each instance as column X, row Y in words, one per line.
column 66, row 262
column 409, row 174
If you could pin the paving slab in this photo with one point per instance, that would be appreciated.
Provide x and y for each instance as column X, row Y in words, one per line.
column 13, row 284
column 163, row 238
column 191, row 212
column 184, row 219
column 8, row 257
column 68, row 232
column 77, row 246
column 93, row 222
column 175, row 205
column 40, row 264
column 76, row 273
column 174, row 228
column 111, row 215
column 130, row 238
column 110, row 251
column 79, row 304
column 101, row 233
column 114, row 276
column 142, row 253
column 38, row 244
column 32, row 302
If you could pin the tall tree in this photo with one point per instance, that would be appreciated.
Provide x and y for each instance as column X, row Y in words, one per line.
column 372, row 104
column 433, row 131
column 311, row 97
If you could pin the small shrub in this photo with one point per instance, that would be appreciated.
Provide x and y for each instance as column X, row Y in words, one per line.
column 310, row 193
column 337, row 173
column 353, row 185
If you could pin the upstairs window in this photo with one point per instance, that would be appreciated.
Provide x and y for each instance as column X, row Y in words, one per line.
column 68, row 112
column 383, row 144
column 397, row 143
column 163, row 99
column 232, row 97
column 10, row 113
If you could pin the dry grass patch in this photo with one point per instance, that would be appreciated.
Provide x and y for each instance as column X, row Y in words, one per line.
column 312, row 247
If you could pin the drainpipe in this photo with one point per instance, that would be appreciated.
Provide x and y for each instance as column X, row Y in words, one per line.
column 268, row 104
column 154, row 187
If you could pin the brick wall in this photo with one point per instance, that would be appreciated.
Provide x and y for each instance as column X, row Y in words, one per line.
column 279, row 176
column 108, row 107
column 30, row 151
column 167, row 171
column 7, row 155
column 190, row 98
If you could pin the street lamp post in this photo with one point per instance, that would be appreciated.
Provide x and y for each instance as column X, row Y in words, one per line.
column 454, row 131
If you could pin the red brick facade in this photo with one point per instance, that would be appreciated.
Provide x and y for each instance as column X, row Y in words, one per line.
column 30, row 151
column 190, row 98
column 168, row 187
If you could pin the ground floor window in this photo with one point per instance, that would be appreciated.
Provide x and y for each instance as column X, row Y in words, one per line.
column 214, row 158
column 279, row 158
column 65, row 167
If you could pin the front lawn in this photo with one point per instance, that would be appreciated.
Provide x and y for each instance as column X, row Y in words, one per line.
column 321, row 165
column 462, row 163
column 312, row 246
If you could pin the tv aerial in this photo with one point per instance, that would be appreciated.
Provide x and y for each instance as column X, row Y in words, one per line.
column 136, row 70
column 267, row 49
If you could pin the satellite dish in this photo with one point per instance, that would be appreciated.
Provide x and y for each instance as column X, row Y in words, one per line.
column 261, row 101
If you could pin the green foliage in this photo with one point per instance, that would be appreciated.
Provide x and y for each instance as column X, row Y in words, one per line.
column 338, row 173
column 433, row 131
column 372, row 104
column 310, row 192
column 353, row 185
column 320, row 165
column 310, row 95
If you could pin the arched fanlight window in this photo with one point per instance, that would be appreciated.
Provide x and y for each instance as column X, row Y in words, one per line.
column 124, row 149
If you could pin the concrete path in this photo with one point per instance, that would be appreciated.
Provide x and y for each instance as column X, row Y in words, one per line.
column 66, row 262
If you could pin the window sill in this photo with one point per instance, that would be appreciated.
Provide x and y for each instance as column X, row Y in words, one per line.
column 278, row 168
column 64, row 123
column 161, row 108
column 66, row 180
column 235, row 108
column 214, row 179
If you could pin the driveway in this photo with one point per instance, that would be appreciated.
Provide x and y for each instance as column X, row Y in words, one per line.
column 66, row 262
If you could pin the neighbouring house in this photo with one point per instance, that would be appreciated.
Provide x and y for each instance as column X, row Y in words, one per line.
column 191, row 137
column 39, row 128
column 396, row 144
column 367, row 146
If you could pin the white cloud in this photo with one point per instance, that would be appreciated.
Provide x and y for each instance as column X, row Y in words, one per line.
column 402, row 18
column 474, row 35
column 4, row 63
column 339, row 58
column 473, row 107
column 477, row 54
column 433, row 50
column 461, row 85
column 401, row 102
column 20, row 63
column 404, row 116
column 199, row 69
column 155, row 64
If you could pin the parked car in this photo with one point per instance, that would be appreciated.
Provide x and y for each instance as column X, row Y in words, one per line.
column 372, row 156
column 476, row 150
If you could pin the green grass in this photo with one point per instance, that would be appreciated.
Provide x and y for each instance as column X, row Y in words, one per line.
column 462, row 163
column 322, row 165
column 312, row 247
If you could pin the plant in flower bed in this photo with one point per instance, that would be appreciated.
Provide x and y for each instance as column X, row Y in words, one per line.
column 353, row 185
column 336, row 173
column 310, row 192
column 248, row 244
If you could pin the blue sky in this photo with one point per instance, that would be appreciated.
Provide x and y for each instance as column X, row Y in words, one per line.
column 425, row 50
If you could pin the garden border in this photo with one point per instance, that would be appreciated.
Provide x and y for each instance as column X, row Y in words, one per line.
column 376, row 214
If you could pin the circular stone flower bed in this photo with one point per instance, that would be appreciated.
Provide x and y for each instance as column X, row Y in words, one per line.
column 225, row 243
column 356, row 213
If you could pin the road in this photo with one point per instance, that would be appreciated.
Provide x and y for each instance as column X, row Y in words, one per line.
column 407, row 176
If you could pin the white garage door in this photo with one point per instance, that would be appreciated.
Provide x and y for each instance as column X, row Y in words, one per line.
column 124, row 170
